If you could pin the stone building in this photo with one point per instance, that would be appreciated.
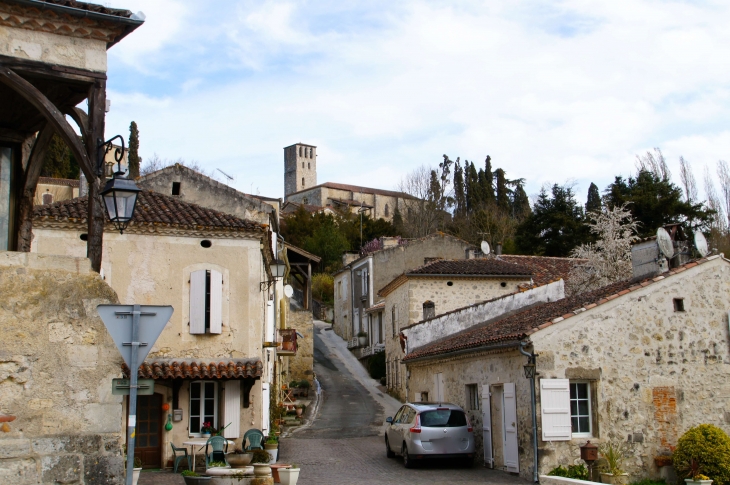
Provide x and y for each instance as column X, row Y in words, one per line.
column 643, row 359
column 213, row 361
column 300, row 186
column 50, row 190
column 361, row 277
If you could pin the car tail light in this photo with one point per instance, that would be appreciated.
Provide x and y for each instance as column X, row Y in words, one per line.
column 469, row 427
column 417, row 426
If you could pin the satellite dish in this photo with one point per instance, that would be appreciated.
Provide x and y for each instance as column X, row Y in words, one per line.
column 701, row 244
column 288, row 291
column 485, row 247
column 665, row 243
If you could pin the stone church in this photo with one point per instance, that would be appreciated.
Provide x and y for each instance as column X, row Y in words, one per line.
column 301, row 188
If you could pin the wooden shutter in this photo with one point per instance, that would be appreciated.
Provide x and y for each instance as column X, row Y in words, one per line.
column 555, row 405
column 232, row 410
column 269, row 337
column 197, row 302
column 487, row 426
column 216, row 301
column 438, row 387
column 511, row 444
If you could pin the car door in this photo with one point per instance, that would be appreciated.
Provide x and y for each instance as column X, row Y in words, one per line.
column 404, row 425
column 394, row 438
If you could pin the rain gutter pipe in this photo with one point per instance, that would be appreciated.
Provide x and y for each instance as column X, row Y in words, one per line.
column 532, row 360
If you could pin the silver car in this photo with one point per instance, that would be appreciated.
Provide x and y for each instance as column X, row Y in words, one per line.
column 429, row 430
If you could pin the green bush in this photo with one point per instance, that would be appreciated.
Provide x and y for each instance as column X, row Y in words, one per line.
column 578, row 472
column 376, row 365
column 704, row 449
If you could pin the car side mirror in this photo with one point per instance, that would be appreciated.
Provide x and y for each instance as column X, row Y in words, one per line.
column 389, row 420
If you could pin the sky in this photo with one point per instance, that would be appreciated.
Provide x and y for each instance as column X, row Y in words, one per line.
column 554, row 91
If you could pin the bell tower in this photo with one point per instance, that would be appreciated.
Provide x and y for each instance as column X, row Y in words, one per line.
column 300, row 168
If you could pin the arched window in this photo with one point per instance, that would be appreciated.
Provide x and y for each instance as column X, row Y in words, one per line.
column 387, row 211
column 302, row 181
column 310, row 153
column 300, row 152
column 309, row 166
column 429, row 309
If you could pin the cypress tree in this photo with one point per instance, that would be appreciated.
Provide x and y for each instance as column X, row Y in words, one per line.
column 488, row 187
column 521, row 203
column 593, row 204
column 503, row 192
column 459, row 190
column 473, row 192
column 133, row 156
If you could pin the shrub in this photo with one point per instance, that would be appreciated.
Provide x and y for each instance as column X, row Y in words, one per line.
column 323, row 288
column 376, row 365
column 578, row 472
column 704, row 449
column 649, row 481
column 217, row 464
column 190, row 473
column 614, row 452
column 261, row 456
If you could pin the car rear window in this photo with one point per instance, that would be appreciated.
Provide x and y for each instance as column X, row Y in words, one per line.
column 443, row 418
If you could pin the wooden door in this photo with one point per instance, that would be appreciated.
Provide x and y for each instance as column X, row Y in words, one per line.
column 487, row 426
column 148, row 445
column 509, row 420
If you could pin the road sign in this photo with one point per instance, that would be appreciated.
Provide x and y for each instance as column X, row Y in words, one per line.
column 118, row 321
column 145, row 387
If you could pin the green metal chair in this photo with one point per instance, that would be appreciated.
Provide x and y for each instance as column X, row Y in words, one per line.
column 219, row 447
column 255, row 440
column 185, row 456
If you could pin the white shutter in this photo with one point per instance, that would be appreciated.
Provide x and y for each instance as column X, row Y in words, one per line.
column 216, row 301
column 438, row 387
column 232, row 410
column 487, row 426
column 197, row 302
column 511, row 445
column 265, row 408
column 555, row 404
column 269, row 337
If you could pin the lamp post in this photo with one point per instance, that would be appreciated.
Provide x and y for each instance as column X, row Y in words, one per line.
column 120, row 194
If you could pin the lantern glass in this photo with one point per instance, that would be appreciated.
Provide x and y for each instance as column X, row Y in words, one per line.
column 120, row 199
column 530, row 371
column 278, row 268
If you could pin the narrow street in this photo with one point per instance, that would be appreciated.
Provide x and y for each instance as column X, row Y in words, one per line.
column 343, row 444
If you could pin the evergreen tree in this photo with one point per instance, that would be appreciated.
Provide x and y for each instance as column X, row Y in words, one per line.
column 473, row 190
column 503, row 191
column 397, row 221
column 59, row 162
column 459, row 190
column 521, row 203
column 133, row 154
column 489, row 181
column 593, row 204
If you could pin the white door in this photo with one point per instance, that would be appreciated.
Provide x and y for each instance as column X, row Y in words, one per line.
column 509, row 418
column 265, row 408
column 487, row 426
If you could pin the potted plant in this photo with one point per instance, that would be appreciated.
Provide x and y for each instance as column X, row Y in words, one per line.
column 193, row 478
column 207, row 429
column 271, row 445
column 289, row 476
column 300, row 409
column 362, row 338
column 239, row 458
column 703, row 454
column 137, row 470
column 261, row 463
column 614, row 453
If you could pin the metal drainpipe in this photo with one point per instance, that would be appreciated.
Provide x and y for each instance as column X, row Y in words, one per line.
column 534, row 412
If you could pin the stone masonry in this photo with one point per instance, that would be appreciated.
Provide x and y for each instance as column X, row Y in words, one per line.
column 301, row 365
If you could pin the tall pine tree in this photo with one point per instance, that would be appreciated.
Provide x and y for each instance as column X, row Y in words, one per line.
column 133, row 156
column 473, row 190
column 459, row 190
column 521, row 203
column 503, row 191
column 593, row 204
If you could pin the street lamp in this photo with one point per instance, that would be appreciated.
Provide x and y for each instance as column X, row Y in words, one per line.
column 120, row 194
column 278, row 268
column 530, row 369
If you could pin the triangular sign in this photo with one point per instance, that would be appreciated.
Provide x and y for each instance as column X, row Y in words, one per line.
column 118, row 321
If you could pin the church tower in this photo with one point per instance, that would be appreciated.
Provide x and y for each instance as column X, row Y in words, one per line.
column 300, row 168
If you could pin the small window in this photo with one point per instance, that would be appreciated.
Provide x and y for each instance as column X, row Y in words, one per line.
column 206, row 302
column 84, row 237
column 310, row 152
column 429, row 309
column 309, row 166
column 203, row 405
column 302, row 164
column 300, row 151
column 424, row 396
column 449, row 283
column 392, row 319
column 387, row 210
column 47, row 198
column 302, row 181
column 176, row 188
column 472, row 397
column 206, row 243
column 503, row 284
column 580, row 408
column 679, row 304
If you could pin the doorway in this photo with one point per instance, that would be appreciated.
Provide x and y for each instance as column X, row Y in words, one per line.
column 148, row 445
column 501, row 428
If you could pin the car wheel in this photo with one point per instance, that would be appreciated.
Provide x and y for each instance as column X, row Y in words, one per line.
column 388, row 452
column 407, row 461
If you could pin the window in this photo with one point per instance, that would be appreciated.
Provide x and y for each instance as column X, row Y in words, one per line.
column 472, row 397
column 7, row 172
column 580, row 408
column 302, row 181
column 176, row 188
column 429, row 309
column 47, row 198
column 300, row 152
column 364, row 282
column 380, row 327
column 302, row 164
column 206, row 301
column 678, row 303
column 203, row 405
column 393, row 318
column 424, row 396
column 339, row 290
column 311, row 150
column 309, row 166
column 387, row 210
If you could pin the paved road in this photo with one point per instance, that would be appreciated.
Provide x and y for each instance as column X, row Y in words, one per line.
column 344, row 444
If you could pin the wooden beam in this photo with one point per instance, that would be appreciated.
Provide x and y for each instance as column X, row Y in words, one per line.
column 30, row 181
column 81, row 119
column 51, row 70
column 31, row 94
column 94, row 137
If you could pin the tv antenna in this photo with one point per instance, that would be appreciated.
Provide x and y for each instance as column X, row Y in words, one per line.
column 664, row 241
column 230, row 179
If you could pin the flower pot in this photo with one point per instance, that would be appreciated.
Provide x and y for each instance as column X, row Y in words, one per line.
column 289, row 476
column 273, row 450
column 205, row 435
column 239, row 460
column 299, row 411
column 261, row 469
column 688, row 481
column 362, row 341
column 135, row 475
column 621, row 479
column 197, row 480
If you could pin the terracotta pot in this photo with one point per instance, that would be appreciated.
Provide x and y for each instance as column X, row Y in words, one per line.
column 261, row 469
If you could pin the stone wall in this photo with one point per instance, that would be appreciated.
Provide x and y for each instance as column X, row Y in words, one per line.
column 342, row 323
column 56, row 365
column 297, row 167
column 301, row 365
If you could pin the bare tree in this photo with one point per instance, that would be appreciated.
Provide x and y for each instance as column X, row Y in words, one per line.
column 609, row 259
column 654, row 163
column 723, row 173
column 156, row 163
column 432, row 196
column 688, row 180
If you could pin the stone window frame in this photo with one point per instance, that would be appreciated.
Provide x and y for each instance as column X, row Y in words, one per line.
column 190, row 405
column 592, row 432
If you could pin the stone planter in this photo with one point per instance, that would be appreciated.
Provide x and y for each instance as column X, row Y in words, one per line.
column 690, row 481
column 239, row 460
column 261, row 469
column 622, row 479
column 289, row 476
column 135, row 475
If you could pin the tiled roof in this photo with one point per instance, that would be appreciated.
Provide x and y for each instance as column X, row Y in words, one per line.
column 544, row 269
column 350, row 202
column 56, row 181
column 356, row 188
column 378, row 306
column 91, row 7
column 152, row 208
column 518, row 326
column 466, row 267
column 198, row 369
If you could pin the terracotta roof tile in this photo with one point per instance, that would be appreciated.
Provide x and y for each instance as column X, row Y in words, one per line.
column 198, row 369
column 152, row 208
column 518, row 325
column 544, row 269
column 466, row 267
column 58, row 181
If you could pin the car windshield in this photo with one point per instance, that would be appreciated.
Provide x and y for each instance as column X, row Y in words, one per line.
column 443, row 418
